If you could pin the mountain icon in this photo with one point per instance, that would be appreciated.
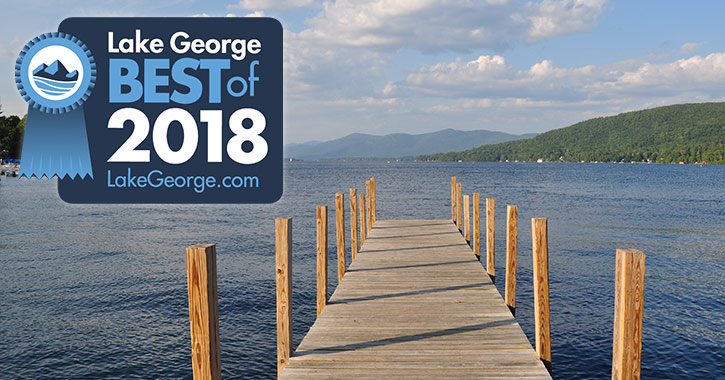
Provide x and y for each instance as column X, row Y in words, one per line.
column 55, row 71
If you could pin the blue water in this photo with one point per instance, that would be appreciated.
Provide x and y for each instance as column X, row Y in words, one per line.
column 53, row 87
column 99, row 291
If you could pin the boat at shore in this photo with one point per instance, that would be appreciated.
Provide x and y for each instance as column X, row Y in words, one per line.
column 10, row 168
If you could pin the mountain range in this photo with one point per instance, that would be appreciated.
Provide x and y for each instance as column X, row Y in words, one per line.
column 677, row 133
column 55, row 71
column 396, row 145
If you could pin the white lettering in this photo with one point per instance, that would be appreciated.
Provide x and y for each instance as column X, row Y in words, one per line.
column 135, row 45
column 183, row 46
column 181, row 43
column 111, row 48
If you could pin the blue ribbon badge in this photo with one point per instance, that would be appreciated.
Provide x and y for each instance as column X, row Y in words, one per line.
column 55, row 73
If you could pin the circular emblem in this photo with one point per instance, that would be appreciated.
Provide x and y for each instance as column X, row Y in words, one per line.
column 55, row 73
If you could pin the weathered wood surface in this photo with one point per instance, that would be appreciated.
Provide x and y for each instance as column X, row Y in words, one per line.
column 203, row 311
column 477, row 225
column 353, row 224
column 459, row 199
column 373, row 200
column 340, row 233
column 453, row 199
column 512, row 241
column 363, row 229
column 540, row 247
column 368, row 208
column 467, row 217
column 283, row 260
column 628, row 314
column 491, row 237
column 415, row 304
column 321, row 258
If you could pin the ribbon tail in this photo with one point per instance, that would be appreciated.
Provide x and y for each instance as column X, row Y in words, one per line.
column 56, row 144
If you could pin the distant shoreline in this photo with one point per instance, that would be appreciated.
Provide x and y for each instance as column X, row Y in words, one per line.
column 406, row 159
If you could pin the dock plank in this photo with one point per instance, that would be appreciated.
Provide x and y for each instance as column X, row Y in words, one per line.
column 415, row 304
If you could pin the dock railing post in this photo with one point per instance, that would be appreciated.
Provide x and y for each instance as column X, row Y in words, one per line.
column 628, row 314
column 363, row 229
column 490, row 238
column 283, row 259
column 453, row 199
column 321, row 258
column 539, row 240
column 203, row 311
column 512, row 227
column 467, row 218
column 340, row 234
column 353, row 224
column 458, row 207
column 368, row 197
column 477, row 225
column 373, row 211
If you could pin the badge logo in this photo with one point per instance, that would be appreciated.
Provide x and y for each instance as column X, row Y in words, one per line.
column 55, row 73
column 155, row 110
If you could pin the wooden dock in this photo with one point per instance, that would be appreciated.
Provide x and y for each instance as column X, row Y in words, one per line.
column 415, row 303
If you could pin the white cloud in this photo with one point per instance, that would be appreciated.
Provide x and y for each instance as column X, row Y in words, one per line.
column 482, row 68
column 703, row 74
column 351, row 44
column 455, row 25
column 366, row 101
column 340, row 64
column 253, row 5
column 227, row 15
column 690, row 47
column 255, row 14
column 492, row 77
column 552, row 18
column 322, row 71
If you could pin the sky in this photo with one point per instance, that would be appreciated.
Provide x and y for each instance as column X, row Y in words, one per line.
column 416, row 66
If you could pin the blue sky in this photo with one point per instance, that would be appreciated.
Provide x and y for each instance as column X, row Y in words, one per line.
column 417, row 66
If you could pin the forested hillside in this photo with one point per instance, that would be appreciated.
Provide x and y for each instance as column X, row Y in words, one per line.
column 683, row 132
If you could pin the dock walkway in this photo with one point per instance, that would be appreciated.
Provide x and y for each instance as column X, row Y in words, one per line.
column 415, row 304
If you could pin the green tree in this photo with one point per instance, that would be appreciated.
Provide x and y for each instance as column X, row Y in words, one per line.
column 683, row 132
column 12, row 129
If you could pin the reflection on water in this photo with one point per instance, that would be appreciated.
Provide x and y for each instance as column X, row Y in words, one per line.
column 99, row 291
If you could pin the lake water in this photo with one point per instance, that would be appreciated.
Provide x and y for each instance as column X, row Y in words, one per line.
column 99, row 291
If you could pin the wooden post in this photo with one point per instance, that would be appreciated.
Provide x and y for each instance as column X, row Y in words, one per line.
column 368, row 223
column 467, row 218
column 321, row 258
column 541, row 290
column 363, row 230
column 353, row 223
column 340, row 230
column 490, row 238
column 283, row 249
column 458, row 207
column 453, row 199
column 628, row 313
column 203, row 311
column 512, row 227
column 373, row 211
column 477, row 225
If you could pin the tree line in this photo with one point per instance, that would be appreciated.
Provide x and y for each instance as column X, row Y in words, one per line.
column 11, row 136
column 679, row 133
